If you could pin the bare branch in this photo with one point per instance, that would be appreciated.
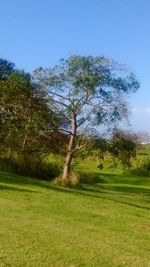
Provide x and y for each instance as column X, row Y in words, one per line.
column 64, row 130
column 61, row 103
column 63, row 97
column 61, row 113
column 80, row 103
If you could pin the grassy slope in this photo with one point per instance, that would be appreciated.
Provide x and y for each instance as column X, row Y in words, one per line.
column 105, row 224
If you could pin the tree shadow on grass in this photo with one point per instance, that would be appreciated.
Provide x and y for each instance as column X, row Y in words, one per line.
column 87, row 192
column 13, row 188
column 11, row 178
column 126, row 189
column 117, row 183
column 103, row 178
column 98, row 190
column 123, row 178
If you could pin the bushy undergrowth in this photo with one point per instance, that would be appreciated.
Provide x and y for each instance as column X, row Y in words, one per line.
column 33, row 167
column 48, row 168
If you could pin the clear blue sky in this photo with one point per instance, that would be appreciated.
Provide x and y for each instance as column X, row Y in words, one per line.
column 40, row 32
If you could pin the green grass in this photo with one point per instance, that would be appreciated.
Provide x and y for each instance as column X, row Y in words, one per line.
column 103, row 224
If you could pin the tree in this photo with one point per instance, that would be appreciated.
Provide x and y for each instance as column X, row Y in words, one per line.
column 86, row 92
column 28, row 126
column 124, row 146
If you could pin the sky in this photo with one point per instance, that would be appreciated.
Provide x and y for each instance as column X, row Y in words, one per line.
column 40, row 32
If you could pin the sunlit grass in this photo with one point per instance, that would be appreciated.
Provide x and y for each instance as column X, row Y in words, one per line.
column 103, row 224
column 106, row 224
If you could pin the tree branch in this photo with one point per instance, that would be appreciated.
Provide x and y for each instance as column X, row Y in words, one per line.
column 63, row 130
column 61, row 103
column 62, row 114
column 61, row 96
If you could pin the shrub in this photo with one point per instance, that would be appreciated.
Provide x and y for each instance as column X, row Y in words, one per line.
column 71, row 182
column 33, row 167
column 143, row 169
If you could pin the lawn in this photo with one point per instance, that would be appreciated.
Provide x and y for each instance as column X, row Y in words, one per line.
column 106, row 223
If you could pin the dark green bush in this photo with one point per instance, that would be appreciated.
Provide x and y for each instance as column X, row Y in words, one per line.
column 32, row 167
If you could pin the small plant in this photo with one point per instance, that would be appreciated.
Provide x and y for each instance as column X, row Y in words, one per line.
column 72, row 182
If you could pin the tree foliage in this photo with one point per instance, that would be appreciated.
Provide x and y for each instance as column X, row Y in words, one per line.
column 28, row 126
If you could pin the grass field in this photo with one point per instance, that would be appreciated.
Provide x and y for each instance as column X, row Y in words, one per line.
column 106, row 223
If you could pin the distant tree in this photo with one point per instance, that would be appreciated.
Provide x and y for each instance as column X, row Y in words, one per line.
column 86, row 92
column 124, row 146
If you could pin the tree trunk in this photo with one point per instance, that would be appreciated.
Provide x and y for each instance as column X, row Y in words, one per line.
column 70, row 151
column 67, row 165
column 24, row 142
